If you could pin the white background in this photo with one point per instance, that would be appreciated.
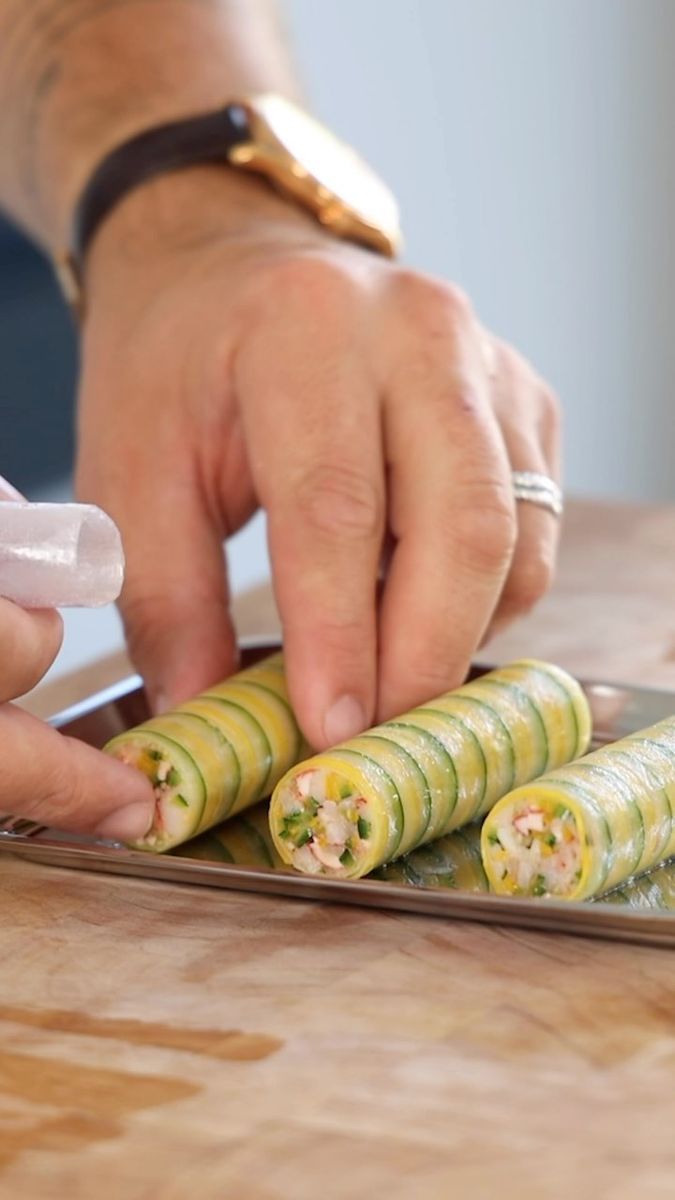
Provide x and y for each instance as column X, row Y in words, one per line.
column 532, row 146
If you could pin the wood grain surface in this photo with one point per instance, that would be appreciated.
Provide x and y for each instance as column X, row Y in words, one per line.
column 171, row 1042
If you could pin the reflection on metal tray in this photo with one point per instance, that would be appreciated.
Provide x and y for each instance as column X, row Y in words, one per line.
column 443, row 879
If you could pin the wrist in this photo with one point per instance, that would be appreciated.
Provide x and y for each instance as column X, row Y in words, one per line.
column 100, row 73
column 194, row 210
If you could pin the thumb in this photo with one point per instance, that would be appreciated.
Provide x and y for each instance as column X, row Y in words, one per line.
column 59, row 781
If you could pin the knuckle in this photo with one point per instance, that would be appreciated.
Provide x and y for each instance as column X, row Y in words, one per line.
column 148, row 625
column 339, row 629
column 485, row 531
column 62, row 792
column 339, row 501
column 434, row 306
column 469, row 406
column 457, row 413
column 346, row 641
column 139, row 614
column 309, row 278
column 511, row 366
column 432, row 678
column 50, row 637
column 457, row 303
column 527, row 583
column 435, row 673
column 29, row 643
column 549, row 408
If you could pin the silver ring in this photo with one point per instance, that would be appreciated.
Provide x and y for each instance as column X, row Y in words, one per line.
column 538, row 489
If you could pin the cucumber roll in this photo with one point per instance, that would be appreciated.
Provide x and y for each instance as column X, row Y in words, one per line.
column 588, row 827
column 378, row 796
column 214, row 755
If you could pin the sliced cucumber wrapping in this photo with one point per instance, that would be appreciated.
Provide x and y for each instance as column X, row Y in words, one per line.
column 398, row 786
column 587, row 828
column 215, row 755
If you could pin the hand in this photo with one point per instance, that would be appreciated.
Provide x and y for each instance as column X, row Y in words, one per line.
column 235, row 355
column 45, row 777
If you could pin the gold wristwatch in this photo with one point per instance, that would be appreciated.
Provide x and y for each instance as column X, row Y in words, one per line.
column 266, row 134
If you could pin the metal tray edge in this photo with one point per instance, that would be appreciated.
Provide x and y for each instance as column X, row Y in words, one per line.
column 603, row 920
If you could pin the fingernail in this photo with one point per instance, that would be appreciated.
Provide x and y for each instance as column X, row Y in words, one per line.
column 128, row 824
column 8, row 491
column 343, row 720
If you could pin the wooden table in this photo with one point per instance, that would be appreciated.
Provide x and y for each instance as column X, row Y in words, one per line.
column 171, row 1042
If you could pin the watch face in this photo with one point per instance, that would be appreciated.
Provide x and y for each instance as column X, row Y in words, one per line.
column 335, row 168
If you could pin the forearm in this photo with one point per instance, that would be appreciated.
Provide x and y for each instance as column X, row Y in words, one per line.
column 79, row 76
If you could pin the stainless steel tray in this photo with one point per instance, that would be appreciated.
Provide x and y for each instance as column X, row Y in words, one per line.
column 616, row 710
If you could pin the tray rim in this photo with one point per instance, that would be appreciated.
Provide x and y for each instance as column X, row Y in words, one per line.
column 589, row 920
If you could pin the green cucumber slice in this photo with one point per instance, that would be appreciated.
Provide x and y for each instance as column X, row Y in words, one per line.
column 478, row 715
column 410, row 781
column 217, row 758
column 274, row 717
column 559, row 714
column 248, row 740
column 173, row 823
column 616, row 783
column 443, row 796
column 468, row 757
column 535, row 728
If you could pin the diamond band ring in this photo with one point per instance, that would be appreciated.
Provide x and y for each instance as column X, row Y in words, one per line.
column 538, row 489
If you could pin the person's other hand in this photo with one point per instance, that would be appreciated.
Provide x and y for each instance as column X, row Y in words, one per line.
column 235, row 355
column 45, row 777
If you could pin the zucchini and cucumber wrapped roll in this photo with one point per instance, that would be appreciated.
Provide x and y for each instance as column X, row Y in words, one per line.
column 374, row 798
column 214, row 755
column 588, row 827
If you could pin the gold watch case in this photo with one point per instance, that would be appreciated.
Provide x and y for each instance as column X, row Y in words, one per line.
column 307, row 162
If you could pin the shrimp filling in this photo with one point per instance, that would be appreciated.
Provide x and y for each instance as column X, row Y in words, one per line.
column 324, row 822
column 170, row 804
column 536, row 850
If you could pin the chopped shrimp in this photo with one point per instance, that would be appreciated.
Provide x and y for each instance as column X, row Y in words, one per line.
column 530, row 821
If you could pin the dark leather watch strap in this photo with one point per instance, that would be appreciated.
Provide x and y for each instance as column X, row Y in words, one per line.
column 200, row 139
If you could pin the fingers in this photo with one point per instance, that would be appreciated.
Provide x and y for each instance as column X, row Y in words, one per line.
column 29, row 643
column 45, row 777
column 145, row 472
column 529, row 420
column 64, row 783
column 451, row 510
column 175, row 603
column 313, row 429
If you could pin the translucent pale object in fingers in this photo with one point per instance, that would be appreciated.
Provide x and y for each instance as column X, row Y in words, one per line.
column 59, row 555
